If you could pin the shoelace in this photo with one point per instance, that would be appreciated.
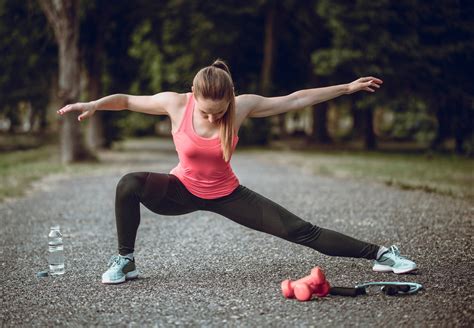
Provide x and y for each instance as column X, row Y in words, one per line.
column 395, row 251
column 115, row 260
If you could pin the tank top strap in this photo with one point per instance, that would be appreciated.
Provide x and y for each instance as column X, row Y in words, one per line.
column 186, row 121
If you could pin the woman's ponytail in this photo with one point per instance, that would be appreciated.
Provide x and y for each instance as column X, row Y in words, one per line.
column 218, row 63
column 215, row 82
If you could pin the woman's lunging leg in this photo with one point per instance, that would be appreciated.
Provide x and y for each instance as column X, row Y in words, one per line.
column 127, row 209
column 333, row 243
column 255, row 211
column 157, row 191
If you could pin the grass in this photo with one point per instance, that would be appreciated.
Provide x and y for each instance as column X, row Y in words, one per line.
column 444, row 174
column 18, row 169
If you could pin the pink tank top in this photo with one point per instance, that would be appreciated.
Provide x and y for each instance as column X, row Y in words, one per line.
column 201, row 167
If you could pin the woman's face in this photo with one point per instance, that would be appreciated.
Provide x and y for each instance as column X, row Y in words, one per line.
column 211, row 110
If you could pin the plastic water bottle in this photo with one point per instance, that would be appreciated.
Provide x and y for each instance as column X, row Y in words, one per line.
column 56, row 251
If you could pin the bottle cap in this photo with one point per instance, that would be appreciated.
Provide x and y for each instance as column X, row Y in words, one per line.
column 42, row 274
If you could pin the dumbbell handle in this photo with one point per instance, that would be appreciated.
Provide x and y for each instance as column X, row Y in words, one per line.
column 316, row 277
column 347, row 291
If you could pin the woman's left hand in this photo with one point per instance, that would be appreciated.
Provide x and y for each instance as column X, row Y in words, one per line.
column 369, row 84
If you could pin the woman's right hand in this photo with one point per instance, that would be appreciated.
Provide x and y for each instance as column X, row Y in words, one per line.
column 87, row 108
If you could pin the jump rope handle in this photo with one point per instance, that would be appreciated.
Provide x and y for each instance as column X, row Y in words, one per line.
column 347, row 291
column 389, row 289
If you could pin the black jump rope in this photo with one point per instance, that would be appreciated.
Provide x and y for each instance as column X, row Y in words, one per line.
column 388, row 288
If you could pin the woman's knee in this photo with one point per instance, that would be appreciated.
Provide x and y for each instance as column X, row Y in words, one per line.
column 303, row 233
column 131, row 183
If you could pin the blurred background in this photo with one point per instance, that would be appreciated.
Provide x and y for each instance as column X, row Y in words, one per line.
column 59, row 52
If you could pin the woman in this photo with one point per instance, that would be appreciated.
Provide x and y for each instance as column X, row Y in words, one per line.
column 205, row 124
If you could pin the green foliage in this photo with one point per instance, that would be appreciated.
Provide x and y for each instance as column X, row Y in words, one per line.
column 137, row 124
column 412, row 120
column 468, row 145
column 327, row 61
column 254, row 132
column 420, row 126
column 421, row 50
column 418, row 48
column 28, row 57
column 152, row 67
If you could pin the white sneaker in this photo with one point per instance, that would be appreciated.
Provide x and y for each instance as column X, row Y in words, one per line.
column 392, row 261
column 121, row 269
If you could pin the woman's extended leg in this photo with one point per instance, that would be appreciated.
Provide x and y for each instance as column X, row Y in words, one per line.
column 158, row 192
column 161, row 193
column 255, row 211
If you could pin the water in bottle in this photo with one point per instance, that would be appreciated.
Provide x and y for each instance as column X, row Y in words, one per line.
column 56, row 251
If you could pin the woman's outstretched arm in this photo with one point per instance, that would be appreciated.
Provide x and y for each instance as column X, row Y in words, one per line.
column 156, row 105
column 258, row 106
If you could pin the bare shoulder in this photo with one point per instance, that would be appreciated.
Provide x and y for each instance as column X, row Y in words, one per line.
column 171, row 101
column 245, row 103
column 175, row 106
column 163, row 103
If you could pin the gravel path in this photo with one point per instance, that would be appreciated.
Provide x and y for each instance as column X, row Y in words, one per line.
column 201, row 269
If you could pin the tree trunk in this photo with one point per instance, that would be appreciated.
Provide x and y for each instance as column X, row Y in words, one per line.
column 63, row 16
column 51, row 120
column 268, row 49
column 369, row 135
column 269, row 46
column 463, row 122
column 364, row 126
column 96, row 131
column 444, row 120
column 40, row 109
column 96, row 136
column 14, row 117
column 320, row 129
column 320, row 133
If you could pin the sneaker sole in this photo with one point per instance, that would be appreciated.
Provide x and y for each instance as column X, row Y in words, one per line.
column 129, row 276
column 386, row 268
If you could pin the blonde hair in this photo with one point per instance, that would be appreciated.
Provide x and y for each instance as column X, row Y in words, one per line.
column 215, row 82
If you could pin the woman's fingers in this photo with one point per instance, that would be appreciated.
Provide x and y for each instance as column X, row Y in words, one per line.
column 69, row 108
column 369, row 83
column 65, row 109
column 82, row 117
column 371, row 78
column 87, row 113
column 372, row 84
column 86, row 110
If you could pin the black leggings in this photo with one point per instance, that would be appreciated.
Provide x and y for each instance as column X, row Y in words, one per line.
column 165, row 194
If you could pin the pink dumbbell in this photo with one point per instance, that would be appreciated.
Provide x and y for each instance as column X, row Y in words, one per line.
column 304, row 288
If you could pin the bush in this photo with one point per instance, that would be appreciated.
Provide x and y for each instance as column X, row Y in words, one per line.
column 137, row 124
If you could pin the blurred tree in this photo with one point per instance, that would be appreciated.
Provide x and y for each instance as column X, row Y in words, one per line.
column 446, row 34
column 175, row 39
column 27, row 63
column 165, row 43
column 416, row 47
column 298, row 31
column 355, row 51
column 63, row 17
column 105, row 37
column 96, row 18
column 271, row 11
column 306, row 33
